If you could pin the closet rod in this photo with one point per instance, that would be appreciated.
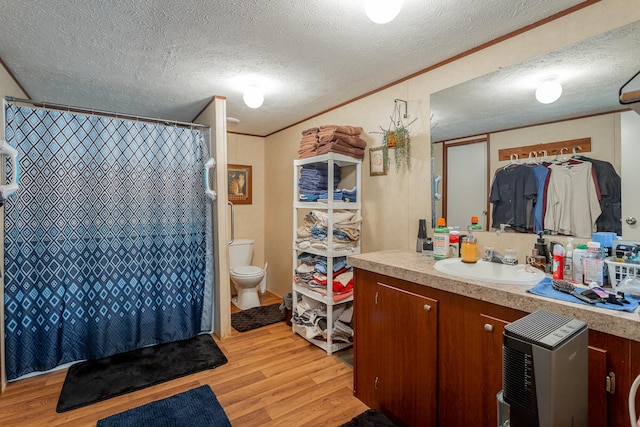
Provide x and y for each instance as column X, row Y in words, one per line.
column 110, row 114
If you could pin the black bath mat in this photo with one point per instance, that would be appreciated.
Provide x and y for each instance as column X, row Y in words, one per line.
column 96, row 380
column 370, row 418
column 257, row 317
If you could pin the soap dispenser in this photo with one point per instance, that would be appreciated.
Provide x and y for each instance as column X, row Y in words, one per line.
column 422, row 235
column 469, row 249
column 541, row 246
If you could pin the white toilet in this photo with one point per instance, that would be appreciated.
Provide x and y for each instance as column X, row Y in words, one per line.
column 245, row 276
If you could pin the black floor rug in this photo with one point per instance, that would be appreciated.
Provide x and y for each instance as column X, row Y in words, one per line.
column 197, row 407
column 96, row 380
column 257, row 317
column 370, row 418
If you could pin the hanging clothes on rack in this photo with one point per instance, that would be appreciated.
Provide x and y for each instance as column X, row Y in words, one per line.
column 541, row 175
column 512, row 190
column 610, row 186
column 573, row 202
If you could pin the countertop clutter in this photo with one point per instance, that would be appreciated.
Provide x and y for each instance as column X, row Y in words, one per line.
column 417, row 268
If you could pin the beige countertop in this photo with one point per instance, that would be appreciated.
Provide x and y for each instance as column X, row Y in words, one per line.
column 414, row 267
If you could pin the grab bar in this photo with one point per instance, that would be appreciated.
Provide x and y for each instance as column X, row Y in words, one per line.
column 233, row 227
column 8, row 190
column 211, row 163
column 436, row 181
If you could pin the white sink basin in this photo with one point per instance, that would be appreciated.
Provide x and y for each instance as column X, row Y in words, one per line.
column 491, row 272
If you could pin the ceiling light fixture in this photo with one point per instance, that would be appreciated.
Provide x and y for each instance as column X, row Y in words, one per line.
column 548, row 92
column 382, row 11
column 253, row 96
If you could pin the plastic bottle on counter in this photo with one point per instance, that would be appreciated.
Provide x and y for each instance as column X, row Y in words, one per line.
column 568, row 259
column 593, row 265
column 474, row 224
column 578, row 253
column 454, row 243
column 558, row 262
column 441, row 240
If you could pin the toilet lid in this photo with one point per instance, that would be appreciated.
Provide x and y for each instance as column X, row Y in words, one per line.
column 248, row 270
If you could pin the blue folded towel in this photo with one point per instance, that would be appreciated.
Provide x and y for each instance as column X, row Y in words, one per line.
column 545, row 289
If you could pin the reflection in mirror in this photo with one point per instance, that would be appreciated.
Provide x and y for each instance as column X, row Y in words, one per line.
column 591, row 73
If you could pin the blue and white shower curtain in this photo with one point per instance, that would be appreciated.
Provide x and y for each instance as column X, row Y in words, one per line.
column 106, row 240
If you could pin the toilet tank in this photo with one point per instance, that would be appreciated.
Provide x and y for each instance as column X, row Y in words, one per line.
column 240, row 253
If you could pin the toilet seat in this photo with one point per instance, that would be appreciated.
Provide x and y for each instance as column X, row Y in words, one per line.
column 247, row 270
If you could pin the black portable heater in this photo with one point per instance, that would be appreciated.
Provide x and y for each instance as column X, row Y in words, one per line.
column 544, row 370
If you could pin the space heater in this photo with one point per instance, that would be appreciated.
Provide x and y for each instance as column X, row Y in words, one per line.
column 544, row 370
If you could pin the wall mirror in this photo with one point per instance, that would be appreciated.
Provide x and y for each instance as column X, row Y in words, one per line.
column 591, row 73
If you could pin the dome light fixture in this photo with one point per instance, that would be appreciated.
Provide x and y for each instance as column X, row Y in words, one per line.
column 382, row 11
column 253, row 96
column 548, row 92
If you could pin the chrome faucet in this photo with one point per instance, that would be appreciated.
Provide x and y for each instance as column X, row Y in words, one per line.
column 497, row 258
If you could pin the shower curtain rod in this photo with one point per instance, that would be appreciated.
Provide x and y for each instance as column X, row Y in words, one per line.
column 110, row 114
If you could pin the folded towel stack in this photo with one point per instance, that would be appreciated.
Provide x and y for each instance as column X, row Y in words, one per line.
column 308, row 143
column 314, row 181
column 332, row 139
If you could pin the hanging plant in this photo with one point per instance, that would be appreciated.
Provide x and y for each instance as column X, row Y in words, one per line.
column 400, row 140
column 397, row 136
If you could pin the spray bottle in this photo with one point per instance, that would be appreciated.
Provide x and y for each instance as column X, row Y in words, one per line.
column 558, row 262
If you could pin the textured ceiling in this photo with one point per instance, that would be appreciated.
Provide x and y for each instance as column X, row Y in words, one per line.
column 591, row 73
column 166, row 59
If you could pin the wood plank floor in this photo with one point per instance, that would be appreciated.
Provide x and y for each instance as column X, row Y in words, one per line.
column 273, row 378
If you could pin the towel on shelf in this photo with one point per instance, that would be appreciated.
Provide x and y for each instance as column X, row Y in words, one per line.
column 332, row 139
column 306, row 153
column 313, row 183
column 349, row 194
column 349, row 130
column 352, row 140
column 341, row 148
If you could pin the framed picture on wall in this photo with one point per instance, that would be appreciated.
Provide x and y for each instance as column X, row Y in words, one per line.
column 239, row 183
column 376, row 162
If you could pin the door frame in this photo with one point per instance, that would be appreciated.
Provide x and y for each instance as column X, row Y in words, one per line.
column 445, row 172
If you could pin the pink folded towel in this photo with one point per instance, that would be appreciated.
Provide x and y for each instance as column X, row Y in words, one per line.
column 341, row 148
column 353, row 140
column 349, row 130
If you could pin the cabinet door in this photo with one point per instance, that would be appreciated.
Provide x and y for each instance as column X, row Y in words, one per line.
column 407, row 382
column 396, row 352
column 368, row 341
column 474, row 372
column 597, row 387
column 470, row 360
column 491, row 330
column 609, row 354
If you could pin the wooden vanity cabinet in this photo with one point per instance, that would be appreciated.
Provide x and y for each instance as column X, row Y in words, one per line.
column 396, row 349
column 444, row 366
